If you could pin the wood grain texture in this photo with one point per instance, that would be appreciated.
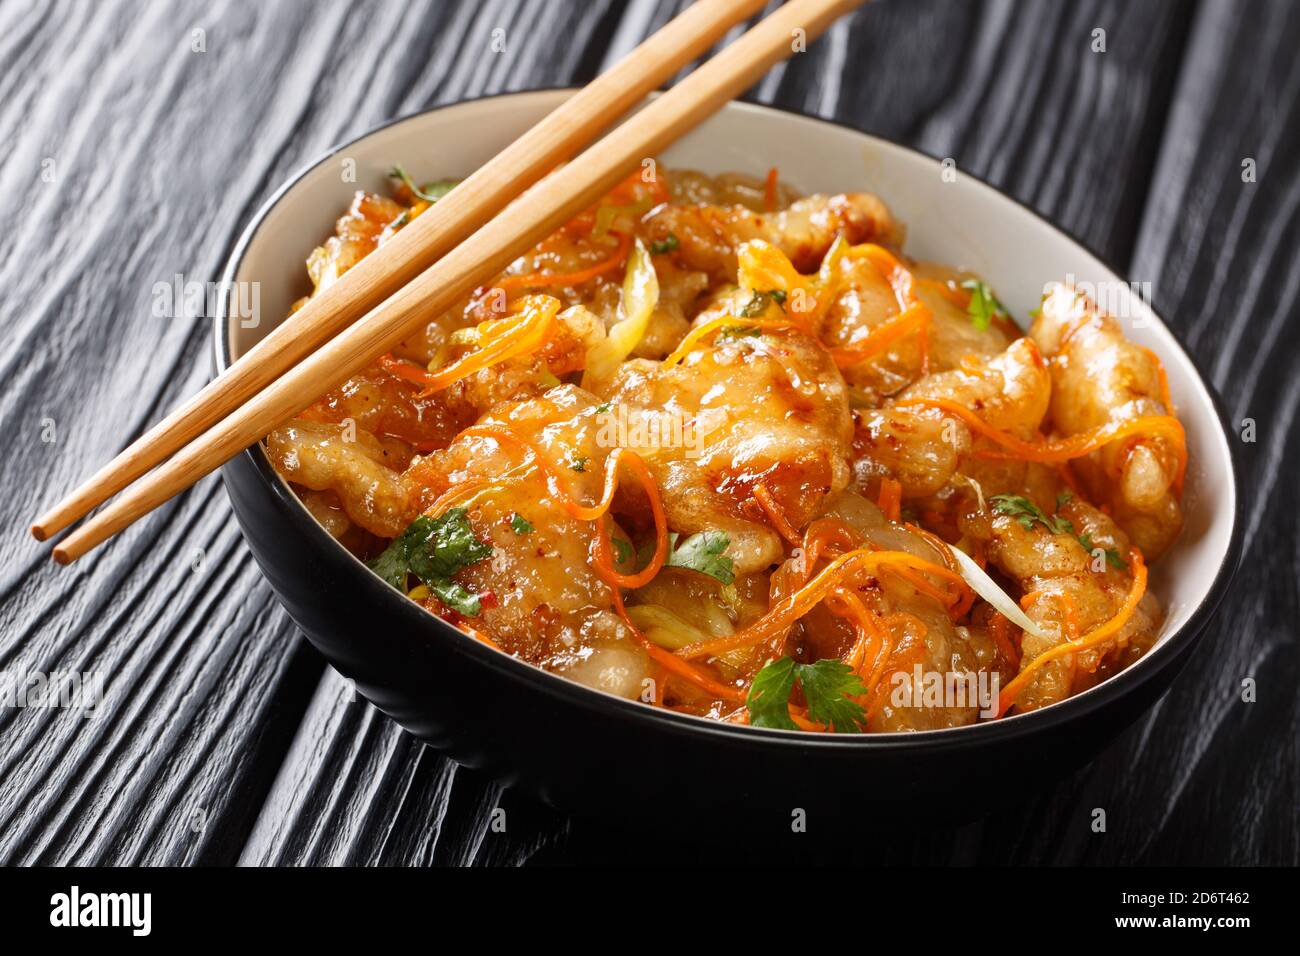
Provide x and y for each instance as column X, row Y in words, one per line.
column 224, row 738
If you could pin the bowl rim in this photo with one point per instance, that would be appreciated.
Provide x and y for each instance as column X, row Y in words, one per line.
column 1005, row 729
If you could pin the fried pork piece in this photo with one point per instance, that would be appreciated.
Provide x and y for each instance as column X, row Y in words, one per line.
column 745, row 410
column 527, row 376
column 1099, row 377
column 926, row 448
column 356, row 235
column 1074, row 591
column 679, row 607
column 708, row 237
column 865, row 301
column 541, row 598
column 361, row 469
column 919, row 627
column 727, row 189
column 386, row 406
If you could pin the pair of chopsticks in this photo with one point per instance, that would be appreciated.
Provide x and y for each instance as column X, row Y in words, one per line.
column 458, row 244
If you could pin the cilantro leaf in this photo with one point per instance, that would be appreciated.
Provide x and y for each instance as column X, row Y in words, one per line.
column 703, row 552
column 579, row 463
column 456, row 597
column 769, row 695
column 758, row 304
column 984, row 305
column 520, row 525
column 429, row 192
column 1029, row 514
column 669, row 244
column 828, row 687
column 739, row 331
column 433, row 549
column 623, row 550
column 443, row 545
column 391, row 565
column 1111, row 554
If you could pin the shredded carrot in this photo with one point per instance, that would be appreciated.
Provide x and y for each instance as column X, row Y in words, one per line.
column 537, row 280
column 603, row 560
column 1098, row 635
column 1065, row 449
column 769, row 189
column 528, row 329
column 802, row 601
column 674, row 664
column 693, row 337
column 1163, row 379
column 555, row 482
column 891, row 498
column 1067, row 605
column 936, row 542
column 902, row 656
column 869, row 631
column 903, row 283
column 821, row 536
column 912, row 319
column 775, row 513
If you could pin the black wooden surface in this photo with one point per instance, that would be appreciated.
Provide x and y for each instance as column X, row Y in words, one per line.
column 223, row 738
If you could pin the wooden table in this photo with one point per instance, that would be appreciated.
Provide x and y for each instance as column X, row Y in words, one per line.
column 130, row 157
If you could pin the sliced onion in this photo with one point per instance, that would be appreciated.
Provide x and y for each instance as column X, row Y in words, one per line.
column 640, row 296
column 664, row 627
column 988, row 589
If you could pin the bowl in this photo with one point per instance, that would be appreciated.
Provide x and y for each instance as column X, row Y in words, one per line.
column 586, row 751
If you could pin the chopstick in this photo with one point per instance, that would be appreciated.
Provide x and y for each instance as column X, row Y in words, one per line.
column 415, row 247
column 537, row 213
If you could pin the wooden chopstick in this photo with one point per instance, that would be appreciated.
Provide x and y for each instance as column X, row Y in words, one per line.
column 415, row 247
column 532, row 217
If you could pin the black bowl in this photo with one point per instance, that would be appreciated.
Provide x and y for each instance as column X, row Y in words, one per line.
column 585, row 751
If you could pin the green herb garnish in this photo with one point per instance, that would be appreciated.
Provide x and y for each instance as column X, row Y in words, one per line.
column 983, row 306
column 739, row 331
column 579, row 462
column 520, row 525
column 1029, row 514
column 828, row 688
column 758, row 304
column 623, row 550
column 434, row 549
column 702, row 552
column 667, row 245
column 429, row 192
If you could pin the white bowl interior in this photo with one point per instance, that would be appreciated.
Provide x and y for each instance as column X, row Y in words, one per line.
column 954, row 220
